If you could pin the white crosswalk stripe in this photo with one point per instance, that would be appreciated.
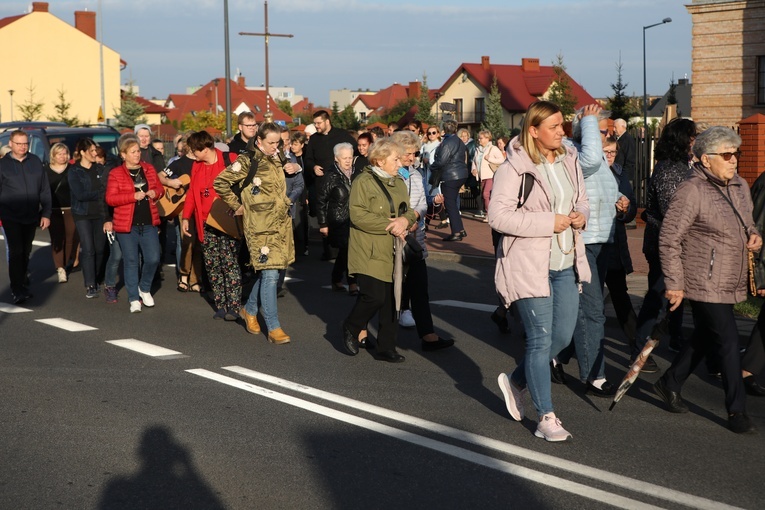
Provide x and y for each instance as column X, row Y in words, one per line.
column 155, row 351
column 464, row 304
column 66, row 325
column 7, row 308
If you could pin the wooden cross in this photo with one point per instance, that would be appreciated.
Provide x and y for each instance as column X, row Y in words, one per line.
column 266, row 35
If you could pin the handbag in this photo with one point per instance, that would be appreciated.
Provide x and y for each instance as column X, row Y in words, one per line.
column 413, row 251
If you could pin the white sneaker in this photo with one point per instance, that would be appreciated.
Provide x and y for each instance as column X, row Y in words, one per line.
column 513, row 396
column 406, row 320
column 62, row 278
column 148, row 301
column 551, row 429
column 135, row 307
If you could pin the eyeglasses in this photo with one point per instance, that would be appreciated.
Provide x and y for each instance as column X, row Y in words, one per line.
column 609, row 153
column 603, row 131
column 432, row 132
column 249, row 125
column 725, row 155
column 27, row 143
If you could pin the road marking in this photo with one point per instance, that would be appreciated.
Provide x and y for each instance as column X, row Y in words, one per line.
column 426, row 442
column 487, row 442
column 34, row 243
column 291, row 279
column 464, row 304
column 155, row 351
column 7, row 308
column 66, row 325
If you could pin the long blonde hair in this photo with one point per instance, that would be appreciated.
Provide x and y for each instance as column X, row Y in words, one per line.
column 537, row 113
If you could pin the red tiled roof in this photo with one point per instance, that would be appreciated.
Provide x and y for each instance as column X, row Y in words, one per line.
column 10, row 19
column 204, row 98
column 385, row 99
column 149, row 107
column 519, row 88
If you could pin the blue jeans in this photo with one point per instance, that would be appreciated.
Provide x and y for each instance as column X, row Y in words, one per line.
column 146, row 239
column 549, row 323
column 590, row 332
column 264, row 295
column 113, row 264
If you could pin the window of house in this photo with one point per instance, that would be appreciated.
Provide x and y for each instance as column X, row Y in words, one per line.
column 761, row 80
column 480, row 109
column 458, row 110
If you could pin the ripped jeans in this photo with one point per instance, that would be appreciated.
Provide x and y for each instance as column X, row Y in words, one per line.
column 549, row 323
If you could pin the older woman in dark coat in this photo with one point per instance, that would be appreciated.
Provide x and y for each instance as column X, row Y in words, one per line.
column 703, row 245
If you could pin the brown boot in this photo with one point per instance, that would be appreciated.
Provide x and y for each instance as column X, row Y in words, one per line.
column 278, row 336
column 251, row 321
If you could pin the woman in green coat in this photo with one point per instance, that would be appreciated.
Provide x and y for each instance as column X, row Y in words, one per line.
column 267, row 224
column 370, row 250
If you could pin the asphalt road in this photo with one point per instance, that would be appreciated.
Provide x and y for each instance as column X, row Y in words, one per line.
column 226, row 420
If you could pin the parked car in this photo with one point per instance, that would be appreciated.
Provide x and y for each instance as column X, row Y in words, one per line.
column 42, row 138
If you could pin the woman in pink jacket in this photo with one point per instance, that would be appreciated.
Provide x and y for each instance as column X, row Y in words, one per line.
column 541, row 258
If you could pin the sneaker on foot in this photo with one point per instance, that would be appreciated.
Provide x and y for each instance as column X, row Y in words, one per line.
column 513, row 396
column 148, row 301
column 111, row 294
column 135, row 307
column 62, row 278
column 551, row 429
column 92, row 292
column 406, row 320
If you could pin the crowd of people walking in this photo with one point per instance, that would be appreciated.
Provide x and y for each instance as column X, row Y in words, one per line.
column 557, row 196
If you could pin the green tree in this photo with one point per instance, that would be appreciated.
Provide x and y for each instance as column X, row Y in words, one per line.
column 62, row 111
column 398, row 110
column 131, row 113
column 204, row 120
column 620, row 105
column 560, row 90
column 285, row 106
column 495, row 119
column 346, row 119
column 31, row 109
column 424, row 104
column 335, row 111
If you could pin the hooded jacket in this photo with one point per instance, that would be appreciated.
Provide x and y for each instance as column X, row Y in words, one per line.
column 523, row 256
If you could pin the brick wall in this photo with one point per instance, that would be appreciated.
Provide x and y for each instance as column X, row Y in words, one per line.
column 752, row 162
column 727, row 38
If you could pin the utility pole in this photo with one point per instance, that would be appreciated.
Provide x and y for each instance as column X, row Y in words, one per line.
column 266, row 35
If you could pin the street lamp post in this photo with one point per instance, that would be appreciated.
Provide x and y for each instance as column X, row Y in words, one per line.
column 645, row 96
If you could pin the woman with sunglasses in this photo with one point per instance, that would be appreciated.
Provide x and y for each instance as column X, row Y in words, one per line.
column 432, row 194
column 704, row 242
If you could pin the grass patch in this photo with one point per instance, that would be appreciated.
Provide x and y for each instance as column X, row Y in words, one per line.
column 749, row 308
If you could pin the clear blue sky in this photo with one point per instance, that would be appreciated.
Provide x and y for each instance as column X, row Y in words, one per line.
column 172, row 44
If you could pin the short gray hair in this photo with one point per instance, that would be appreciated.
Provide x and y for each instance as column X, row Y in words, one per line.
column 449, row 127
column 620, row 122
column 713, row 138
column 407, row 139
column 341, row 147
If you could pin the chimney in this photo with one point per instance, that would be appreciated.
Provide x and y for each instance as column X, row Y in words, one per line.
column 682, row 81
column 415, row 89
column 240, row 80
column 530, row 65
column 85, row 22
column 485, row 63
column 39, row 6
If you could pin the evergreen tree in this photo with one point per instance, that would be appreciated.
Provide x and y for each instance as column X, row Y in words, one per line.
column 31, row 109
column 620, row 105
column 671, row 95
column 335, row 111
column 424, row 104
column 495, row 120
column 131, row 113
column 560, row 90
column 346, row 119
column 62, row 111
column 398, row 110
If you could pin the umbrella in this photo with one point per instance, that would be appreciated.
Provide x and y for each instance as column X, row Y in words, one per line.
column 658, row 330
column 398, row 271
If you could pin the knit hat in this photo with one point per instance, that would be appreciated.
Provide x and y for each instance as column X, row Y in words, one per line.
column 139, row 127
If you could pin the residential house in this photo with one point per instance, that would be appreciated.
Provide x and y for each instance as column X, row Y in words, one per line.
column 682, row 98
column 465, row 93
column 365, row 106
column 211, row 97
column 38, row 48
column 728, row 52
column 344, row 97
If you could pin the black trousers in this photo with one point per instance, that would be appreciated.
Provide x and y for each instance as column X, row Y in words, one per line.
column 715, row 332
column 416, row 290
column 616, row 281
column 340, row 269
column 654, row 302
column 93, row 245
column 374, row 296
column 451, row 192
column 18, row 238
column 753, row 360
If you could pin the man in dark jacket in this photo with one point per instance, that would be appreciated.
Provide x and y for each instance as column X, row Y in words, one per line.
column 449, row 169
column 25, row 203
column 248, row 128
column 626, row 155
